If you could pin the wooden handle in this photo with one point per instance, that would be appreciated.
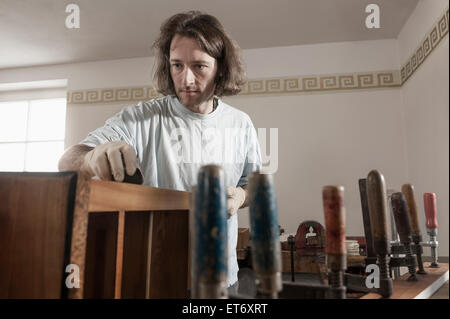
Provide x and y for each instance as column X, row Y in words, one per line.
column 376, row 198
column 429, row 201
column 333, row 206
column 362, row 182
column 401, row 217
column 408, row 191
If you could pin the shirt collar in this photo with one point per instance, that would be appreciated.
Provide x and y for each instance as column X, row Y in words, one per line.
column 181, row 109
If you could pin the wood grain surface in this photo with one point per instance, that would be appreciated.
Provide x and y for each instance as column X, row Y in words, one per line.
column 422, row 289
column 36, row 215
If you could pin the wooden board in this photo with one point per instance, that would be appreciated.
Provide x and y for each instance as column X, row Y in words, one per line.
column 168, row 255
column 422, row 289
column 106, row 196
column 36, row 214
column 100, row 260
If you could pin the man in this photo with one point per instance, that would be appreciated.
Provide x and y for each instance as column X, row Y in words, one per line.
column 196, row 63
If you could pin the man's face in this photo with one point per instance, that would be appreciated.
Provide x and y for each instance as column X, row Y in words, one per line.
column 193, row 71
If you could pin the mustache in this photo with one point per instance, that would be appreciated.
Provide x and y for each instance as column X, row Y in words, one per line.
column 189, row 89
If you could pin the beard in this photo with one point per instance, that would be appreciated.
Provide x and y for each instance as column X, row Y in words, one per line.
column 193, row 100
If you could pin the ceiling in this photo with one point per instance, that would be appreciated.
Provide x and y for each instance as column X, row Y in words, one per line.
column 33, row 32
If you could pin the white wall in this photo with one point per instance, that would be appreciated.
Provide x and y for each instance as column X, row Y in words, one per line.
column 359, row 56
column 426, row 111
column 329, row 139
column 100, row 74
column 324, row 138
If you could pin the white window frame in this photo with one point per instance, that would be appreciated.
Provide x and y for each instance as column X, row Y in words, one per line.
column 27, row 92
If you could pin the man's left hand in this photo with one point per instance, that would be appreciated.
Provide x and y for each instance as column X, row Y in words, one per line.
column 235, row 199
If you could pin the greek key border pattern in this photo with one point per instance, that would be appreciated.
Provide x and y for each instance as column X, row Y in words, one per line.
column 298, row 84
column 321, row 83
column 427, row 45
column 293, row 84
column 111, row 95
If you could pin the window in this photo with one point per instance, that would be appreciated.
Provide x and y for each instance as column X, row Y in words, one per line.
column 32, row 134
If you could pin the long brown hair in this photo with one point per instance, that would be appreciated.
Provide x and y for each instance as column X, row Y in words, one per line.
column 213, row 39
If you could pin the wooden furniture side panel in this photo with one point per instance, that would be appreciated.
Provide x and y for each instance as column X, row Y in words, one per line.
column 100, row 263
column 169, row 240
column 135, row 254
column 35, row 222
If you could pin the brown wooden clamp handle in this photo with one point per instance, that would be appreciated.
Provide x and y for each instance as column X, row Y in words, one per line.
column 333, row 205
column 429, row 201
column 401, row 217
column 408, row 191
column 376, row 198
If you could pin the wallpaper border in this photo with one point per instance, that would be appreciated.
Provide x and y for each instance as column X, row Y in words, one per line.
column 424, row 49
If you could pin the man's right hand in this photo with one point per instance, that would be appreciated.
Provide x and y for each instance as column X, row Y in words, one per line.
column 105, row 161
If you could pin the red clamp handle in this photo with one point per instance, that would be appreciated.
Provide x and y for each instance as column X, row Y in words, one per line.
column 429, row 201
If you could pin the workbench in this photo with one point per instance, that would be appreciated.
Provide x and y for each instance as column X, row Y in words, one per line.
column 423, row 289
